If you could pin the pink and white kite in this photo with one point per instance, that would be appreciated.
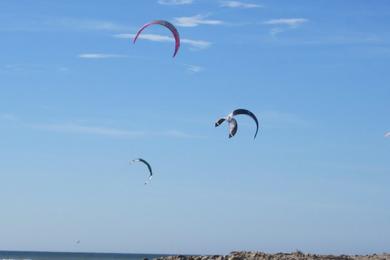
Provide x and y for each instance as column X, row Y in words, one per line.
column 168, row 25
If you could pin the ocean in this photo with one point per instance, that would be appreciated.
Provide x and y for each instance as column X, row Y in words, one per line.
column 20, row 255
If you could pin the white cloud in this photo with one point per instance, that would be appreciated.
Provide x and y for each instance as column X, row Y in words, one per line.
column 40, row 24
column 88, row 24
column 74, row 128
column 63, row 69
column 35, row 68
column 387, row 134
column 82, row 129
column 8, row 117
column 275, row 31
column 146, row 36
column 237, row 4
column 276, row 119
column 345, row 39
column 193, row 21
column 23, row 67
column 100, row 56
column 194, row 68
column 283, row 24
column 177, row 134
column 175, row 2
column 292, row 22
column 199, row 44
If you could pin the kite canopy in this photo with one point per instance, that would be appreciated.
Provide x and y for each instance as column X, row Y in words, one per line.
column 387, row 134
column 219, row 121
column 147, row 165
column 168, row 25
column 248, row 113
column 233, row 126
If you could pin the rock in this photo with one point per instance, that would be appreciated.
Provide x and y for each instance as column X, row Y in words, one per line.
column 298, row 255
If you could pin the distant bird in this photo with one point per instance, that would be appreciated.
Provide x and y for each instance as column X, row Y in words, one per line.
column 78, row 242
column 387, row 134
column 233, row 123
column 147, row 165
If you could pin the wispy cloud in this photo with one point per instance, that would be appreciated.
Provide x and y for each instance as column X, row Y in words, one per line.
column 196, row 20
column 276, row 119
column 177, row 134
column 175, row 2
column 33, row 68
column 194, row 68
column 89, row 24
column 63, row 69
column 8, row 117
column 22, row 67
column 275, row 31
column 75, row 128
column 344, row 39
column 83, row 129
column 237, row 4
column 280, row 25
column 199, row 44
column 100, row 56
column 80, row 127
column 387, row 134
column 41, row 23
column 292, row 22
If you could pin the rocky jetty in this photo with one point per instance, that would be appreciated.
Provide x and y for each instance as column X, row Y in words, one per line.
column 279, row 256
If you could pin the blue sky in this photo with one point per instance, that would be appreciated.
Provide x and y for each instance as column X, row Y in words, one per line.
column 79, row 100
